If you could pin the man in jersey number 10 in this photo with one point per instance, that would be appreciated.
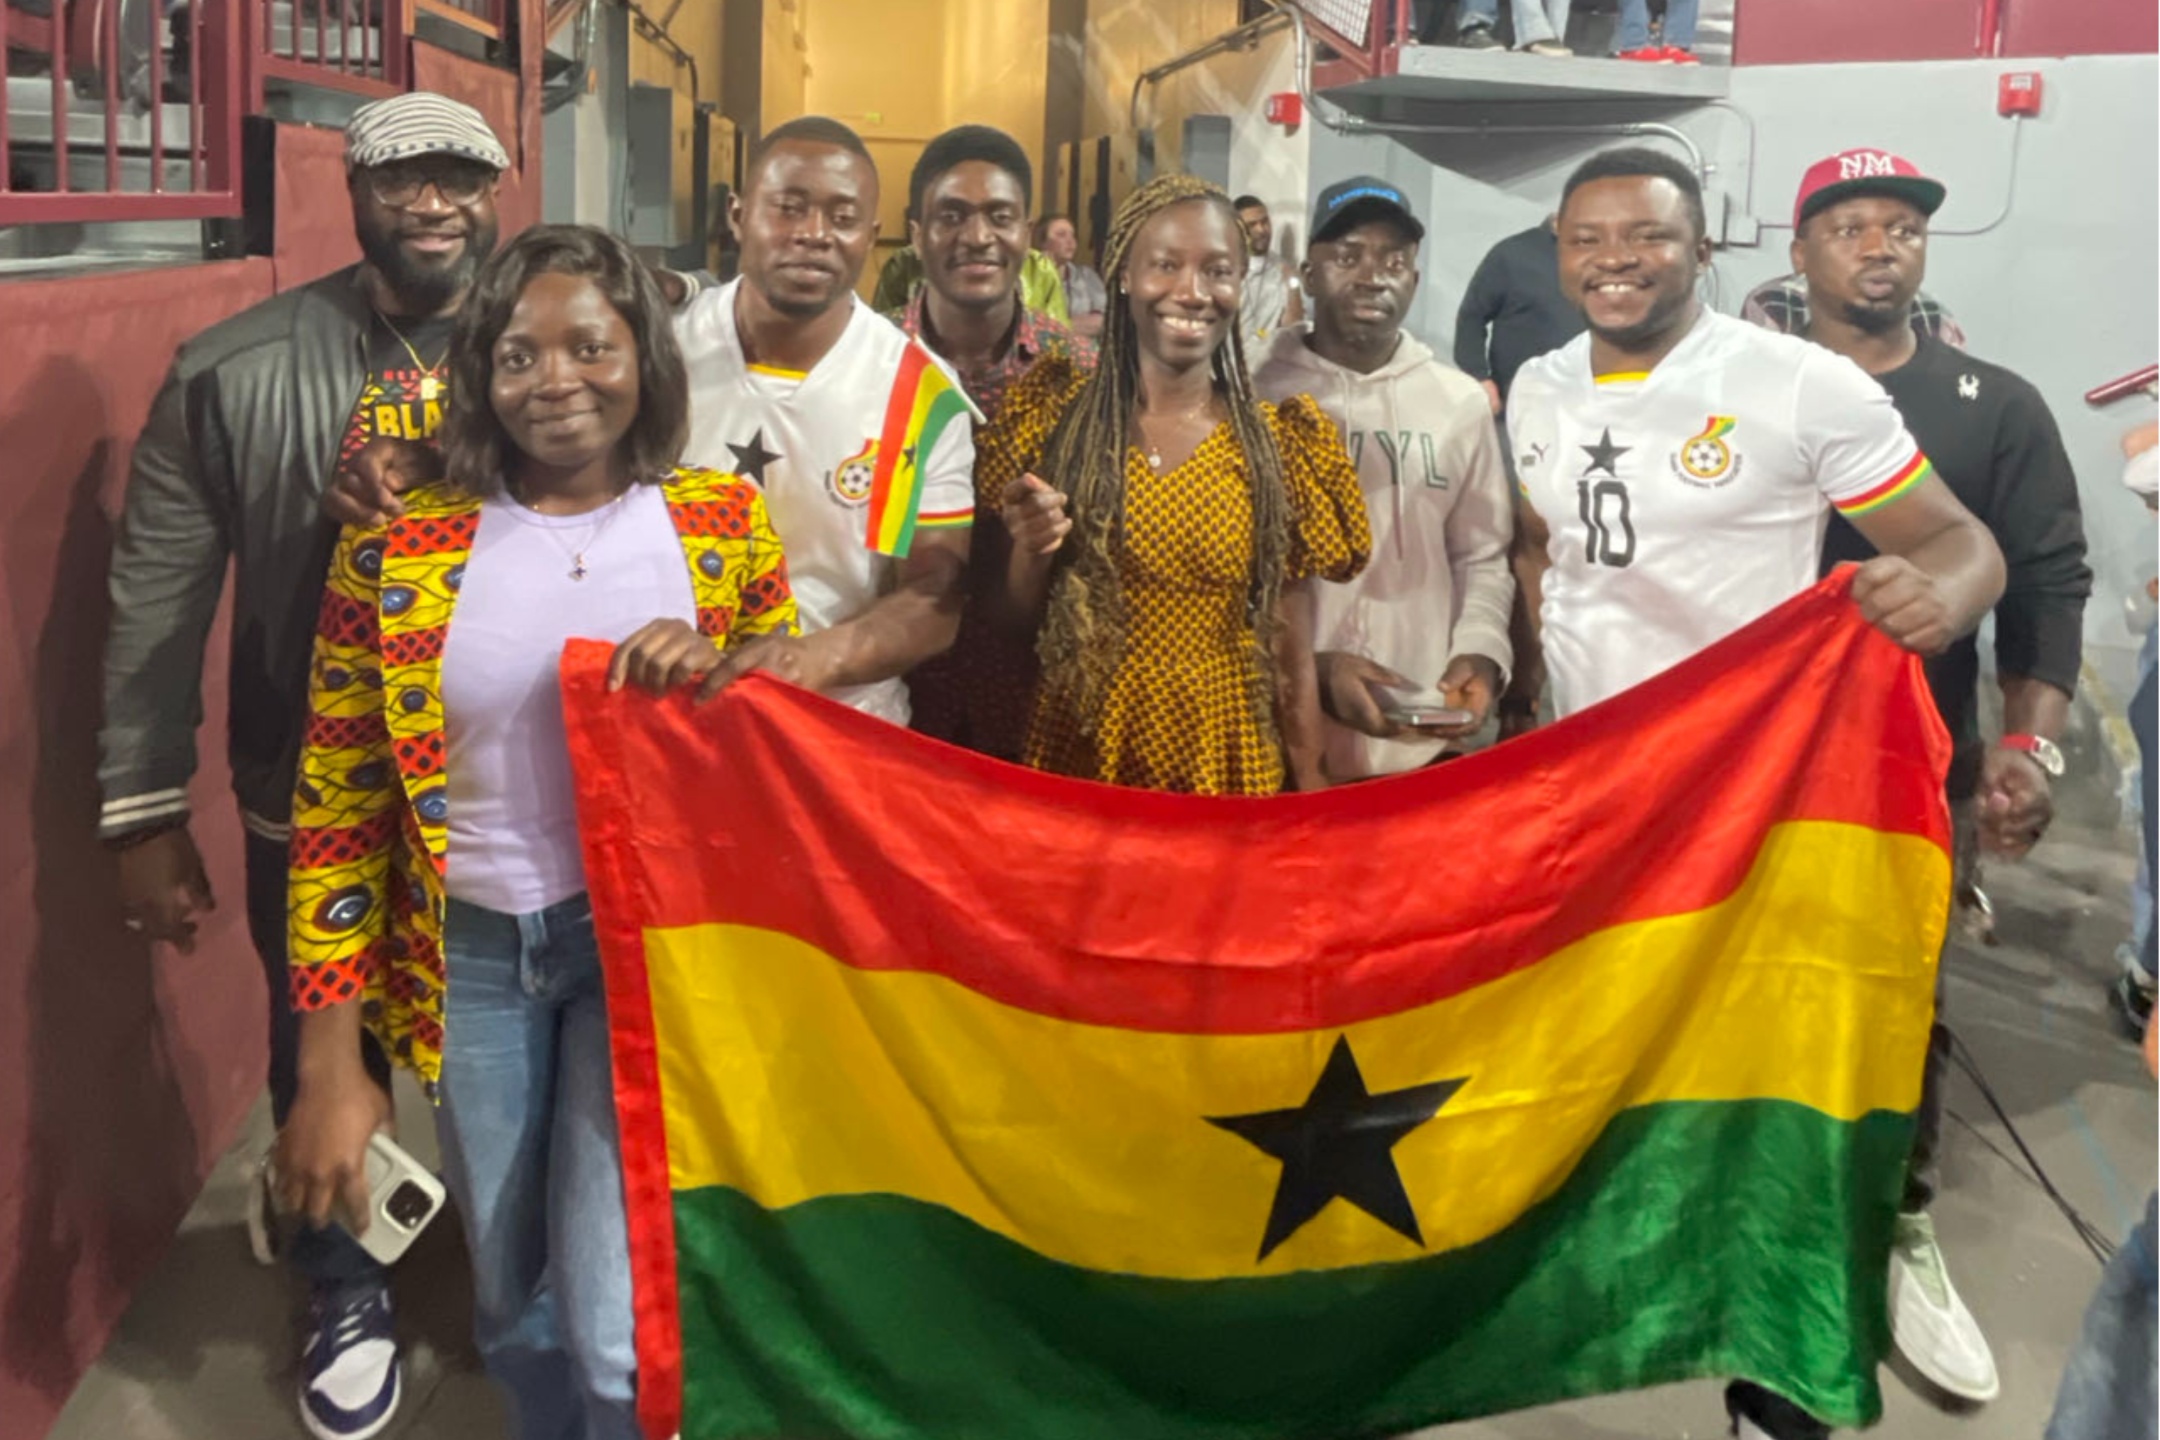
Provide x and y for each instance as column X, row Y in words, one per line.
column 1677, row 469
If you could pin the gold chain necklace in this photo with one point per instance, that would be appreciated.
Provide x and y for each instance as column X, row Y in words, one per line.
column 603, row 516
column 1154, row 451
column 431, row 385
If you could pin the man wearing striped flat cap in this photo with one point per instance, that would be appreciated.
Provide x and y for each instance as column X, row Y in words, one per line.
column 253, row 421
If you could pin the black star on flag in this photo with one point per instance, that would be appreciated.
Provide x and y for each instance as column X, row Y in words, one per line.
column 1604, row 455
column 751, row 459
column 1339, row 1145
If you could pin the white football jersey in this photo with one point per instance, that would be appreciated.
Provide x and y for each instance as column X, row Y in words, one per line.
column 1689, row 500
column 809, row 441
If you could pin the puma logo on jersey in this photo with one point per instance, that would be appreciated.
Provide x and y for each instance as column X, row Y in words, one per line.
column 1968, row 387
column 1704, row 458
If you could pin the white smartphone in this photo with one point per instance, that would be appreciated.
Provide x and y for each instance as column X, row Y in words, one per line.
column 1418, row 707
column 403, row 1195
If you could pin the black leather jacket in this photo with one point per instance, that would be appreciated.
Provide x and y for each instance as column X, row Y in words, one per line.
column 241, row 441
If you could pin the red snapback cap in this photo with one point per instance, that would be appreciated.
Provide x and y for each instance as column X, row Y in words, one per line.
column 1865, row 172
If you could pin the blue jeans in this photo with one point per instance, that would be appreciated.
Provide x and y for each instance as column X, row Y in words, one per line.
column 1534, row 19
column 531, row 1156
column 2110, row 1385
column 1634, row 32
column 329, row 1258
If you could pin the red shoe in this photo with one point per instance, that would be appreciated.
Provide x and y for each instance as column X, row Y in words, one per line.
column 1654, row 54
column 1679, row 55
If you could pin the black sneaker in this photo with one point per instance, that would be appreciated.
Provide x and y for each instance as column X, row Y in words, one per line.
column 2132, row 1001
column 1476, row 37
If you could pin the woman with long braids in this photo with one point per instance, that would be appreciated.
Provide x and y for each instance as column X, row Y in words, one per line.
column 1159, row 521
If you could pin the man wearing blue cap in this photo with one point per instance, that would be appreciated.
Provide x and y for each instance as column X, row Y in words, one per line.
column 1430, row 612
column 253, row 420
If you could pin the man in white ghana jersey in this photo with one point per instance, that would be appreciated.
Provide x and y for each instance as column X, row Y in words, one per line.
column 1677, row 469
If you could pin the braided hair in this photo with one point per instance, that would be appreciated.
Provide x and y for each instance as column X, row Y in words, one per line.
column 1082, row 643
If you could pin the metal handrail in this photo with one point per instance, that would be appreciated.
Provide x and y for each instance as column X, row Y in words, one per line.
column 2123, row 386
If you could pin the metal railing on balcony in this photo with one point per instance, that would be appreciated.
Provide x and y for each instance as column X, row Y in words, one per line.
column 356, row 45
column 117, row 110
column 115, row 113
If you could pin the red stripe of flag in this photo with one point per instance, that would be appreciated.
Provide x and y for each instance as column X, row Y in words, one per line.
column 899, row 408
column 1169, row 913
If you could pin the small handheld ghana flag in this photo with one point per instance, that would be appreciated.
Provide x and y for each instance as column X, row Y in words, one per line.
column 962, row 1102
column 924, row 401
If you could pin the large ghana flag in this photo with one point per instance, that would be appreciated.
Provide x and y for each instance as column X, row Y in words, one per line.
column 964, row 1103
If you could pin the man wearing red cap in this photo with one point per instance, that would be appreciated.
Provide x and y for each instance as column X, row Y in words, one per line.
column 1860, row 239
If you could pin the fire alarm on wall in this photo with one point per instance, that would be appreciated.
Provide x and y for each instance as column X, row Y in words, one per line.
column 2019, row 94
column 1285, row 109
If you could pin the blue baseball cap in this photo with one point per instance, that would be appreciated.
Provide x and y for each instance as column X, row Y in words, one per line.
column 1361, row 197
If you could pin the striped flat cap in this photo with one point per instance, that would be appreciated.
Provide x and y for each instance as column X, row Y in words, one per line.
column 420, row 123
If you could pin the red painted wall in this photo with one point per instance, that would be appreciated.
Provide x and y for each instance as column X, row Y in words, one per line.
column 1800, row 32
column 314, row 209
column 2080, row 27
column 124, row 1072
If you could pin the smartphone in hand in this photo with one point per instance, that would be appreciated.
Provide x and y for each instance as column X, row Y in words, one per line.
column 1419, row 708
column 403, row 1196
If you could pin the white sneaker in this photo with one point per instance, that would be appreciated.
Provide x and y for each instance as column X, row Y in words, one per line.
column 1746, row 1429
column 1931, row 1325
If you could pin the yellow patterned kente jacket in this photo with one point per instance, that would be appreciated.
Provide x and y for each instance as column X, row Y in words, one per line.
column 366, row 897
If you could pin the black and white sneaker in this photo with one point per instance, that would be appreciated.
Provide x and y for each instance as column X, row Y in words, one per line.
column 349, row 1370
column 2131, row 996
column 1477, row 37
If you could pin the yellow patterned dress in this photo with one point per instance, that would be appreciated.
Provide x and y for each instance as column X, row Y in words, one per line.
column 1177, row 716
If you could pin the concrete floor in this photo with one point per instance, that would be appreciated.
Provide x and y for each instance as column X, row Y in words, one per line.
column 205, row 1352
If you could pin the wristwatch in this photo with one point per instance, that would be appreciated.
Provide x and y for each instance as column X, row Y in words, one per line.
column 2045, row 752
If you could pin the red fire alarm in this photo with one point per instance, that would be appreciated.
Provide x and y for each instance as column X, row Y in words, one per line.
column 1286, row 109
column 2019, row 95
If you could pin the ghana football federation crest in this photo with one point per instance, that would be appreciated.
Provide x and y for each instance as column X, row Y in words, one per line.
column 849, row 482
column 1705, row 458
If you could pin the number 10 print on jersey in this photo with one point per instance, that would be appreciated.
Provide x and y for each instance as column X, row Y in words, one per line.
column 1603, row 505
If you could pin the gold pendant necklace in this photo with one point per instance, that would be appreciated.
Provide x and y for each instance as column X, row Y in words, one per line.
column 1154, row 451
column 431, row 385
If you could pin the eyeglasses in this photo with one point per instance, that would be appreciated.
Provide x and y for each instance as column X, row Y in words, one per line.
column 398, row 186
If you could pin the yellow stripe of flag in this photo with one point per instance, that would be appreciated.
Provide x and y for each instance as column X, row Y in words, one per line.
column 910, row 1084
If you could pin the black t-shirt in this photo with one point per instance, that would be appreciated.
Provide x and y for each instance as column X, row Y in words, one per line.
column 1516, row 292
column 1995, row 445
column 402, row 397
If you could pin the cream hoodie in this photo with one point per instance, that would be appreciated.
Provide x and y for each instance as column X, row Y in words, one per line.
column 1438, row 584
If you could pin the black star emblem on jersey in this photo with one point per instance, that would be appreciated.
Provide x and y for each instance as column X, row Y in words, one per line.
column 751, row 459
column 1339, row 1145
column 1604, row 455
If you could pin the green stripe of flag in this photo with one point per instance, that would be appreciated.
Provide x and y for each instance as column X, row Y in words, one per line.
column 1678, row 1248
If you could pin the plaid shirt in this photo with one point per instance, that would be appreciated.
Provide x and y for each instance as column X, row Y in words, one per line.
column 1783, row 305
column 1035, row 334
